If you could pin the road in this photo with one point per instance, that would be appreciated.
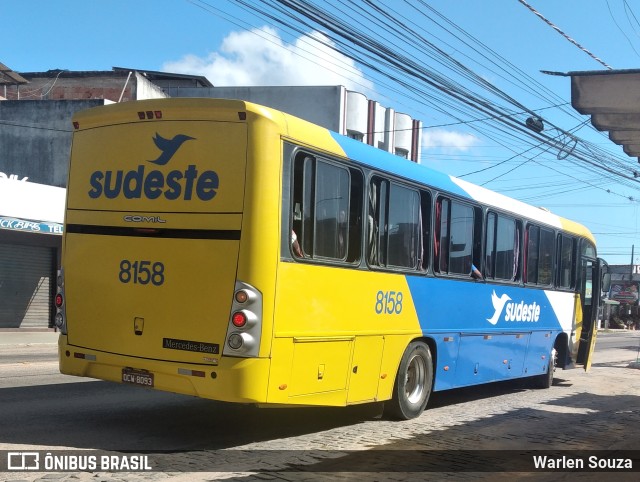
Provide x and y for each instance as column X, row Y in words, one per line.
column 193, row 439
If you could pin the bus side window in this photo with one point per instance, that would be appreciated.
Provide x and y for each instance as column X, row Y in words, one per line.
column 547, row 254
column 404, row 232
column 354, row 251
column 395, row 225
column 458, row 246
column 372, row 224
column 566, row 261
column 490, row 246
column 539, row 255
column 533, row 235
column 298, row 216
column 502, row 247
column 442, row 235
column 331, row 207
column 425, row 221
column 327, row 203
column 461, row 239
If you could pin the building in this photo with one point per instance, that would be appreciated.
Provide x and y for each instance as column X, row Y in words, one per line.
column 116, row 85
column 35, row 138
column 334, row 107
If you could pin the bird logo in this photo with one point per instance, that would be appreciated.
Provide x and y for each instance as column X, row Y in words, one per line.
column 168, row 147
column 498, row 306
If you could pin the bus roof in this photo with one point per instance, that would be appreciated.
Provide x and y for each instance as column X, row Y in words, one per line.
column 311, row 134
column 392, row 164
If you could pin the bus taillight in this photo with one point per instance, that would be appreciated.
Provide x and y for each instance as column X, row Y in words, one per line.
column 244, row 296
column 150, row 114
column 245, row 322
column 235, row 341
column 241, row 296
column 242, row 342
column 239, row 319
column 60, row 318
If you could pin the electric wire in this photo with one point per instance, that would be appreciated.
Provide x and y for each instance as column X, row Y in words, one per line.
column 496, row 118
column 555, row 27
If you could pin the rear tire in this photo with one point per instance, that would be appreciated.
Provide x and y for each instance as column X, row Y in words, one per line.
column 546, row 379
column 413, row 383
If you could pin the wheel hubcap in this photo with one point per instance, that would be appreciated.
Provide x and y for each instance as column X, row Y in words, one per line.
column 415, row 380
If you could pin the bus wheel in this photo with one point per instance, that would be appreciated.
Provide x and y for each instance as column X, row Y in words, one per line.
column 413, row 383
column 546, row 379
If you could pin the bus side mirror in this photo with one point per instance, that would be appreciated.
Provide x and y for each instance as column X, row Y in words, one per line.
column 606, row 282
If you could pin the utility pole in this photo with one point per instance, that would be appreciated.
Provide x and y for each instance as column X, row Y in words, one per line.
column 631, row 264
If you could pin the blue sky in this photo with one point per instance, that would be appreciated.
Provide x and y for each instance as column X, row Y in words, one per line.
column 226, row 42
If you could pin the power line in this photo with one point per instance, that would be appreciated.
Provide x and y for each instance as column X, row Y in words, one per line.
column 564, row 34
column 620, row 28
column 400, row 62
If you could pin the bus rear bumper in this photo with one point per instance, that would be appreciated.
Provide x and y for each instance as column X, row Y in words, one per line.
column 242, row 380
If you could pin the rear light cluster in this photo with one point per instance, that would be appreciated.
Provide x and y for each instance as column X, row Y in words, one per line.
column 60, row 318
column 142, row 115
column 245, row 322
column 150, row 114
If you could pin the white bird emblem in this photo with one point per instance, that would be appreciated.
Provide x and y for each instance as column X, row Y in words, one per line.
column 498, row 305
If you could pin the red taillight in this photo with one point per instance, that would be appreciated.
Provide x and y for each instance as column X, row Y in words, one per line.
column 59, row 300
column 149, row 231
column 239, row 319
column 241, row 296
column 149, row 114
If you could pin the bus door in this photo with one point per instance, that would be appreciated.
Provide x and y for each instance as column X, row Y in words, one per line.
column 590, row 282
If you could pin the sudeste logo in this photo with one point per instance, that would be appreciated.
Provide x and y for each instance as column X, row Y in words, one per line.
column 513, row 311
column 168, row 147
column 140, row 183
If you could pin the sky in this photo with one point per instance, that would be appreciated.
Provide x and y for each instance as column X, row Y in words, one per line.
column 500, row 44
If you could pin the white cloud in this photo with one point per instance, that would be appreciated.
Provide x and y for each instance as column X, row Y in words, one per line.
column 261, row 57
column 447, row 140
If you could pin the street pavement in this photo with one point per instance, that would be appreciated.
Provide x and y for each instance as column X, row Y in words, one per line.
column 27, row 337
column 582, row 413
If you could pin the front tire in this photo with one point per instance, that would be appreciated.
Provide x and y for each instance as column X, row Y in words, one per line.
column 413, row 383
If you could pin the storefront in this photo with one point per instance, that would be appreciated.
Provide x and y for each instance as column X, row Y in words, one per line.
column 31, row 217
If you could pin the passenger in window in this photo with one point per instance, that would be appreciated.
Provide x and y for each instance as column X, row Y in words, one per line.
column 475, row 272
column 295, row 246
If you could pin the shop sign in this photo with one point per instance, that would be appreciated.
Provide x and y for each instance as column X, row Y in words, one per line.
column 30, row 226
column 12, row 177
column 624, row 292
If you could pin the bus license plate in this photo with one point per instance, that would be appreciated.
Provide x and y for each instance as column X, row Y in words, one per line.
column 137, row 377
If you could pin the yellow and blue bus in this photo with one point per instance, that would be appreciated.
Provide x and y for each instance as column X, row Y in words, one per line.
column 229, row 251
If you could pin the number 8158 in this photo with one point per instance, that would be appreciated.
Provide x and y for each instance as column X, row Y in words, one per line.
column 141, row 272
column 389, row 302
